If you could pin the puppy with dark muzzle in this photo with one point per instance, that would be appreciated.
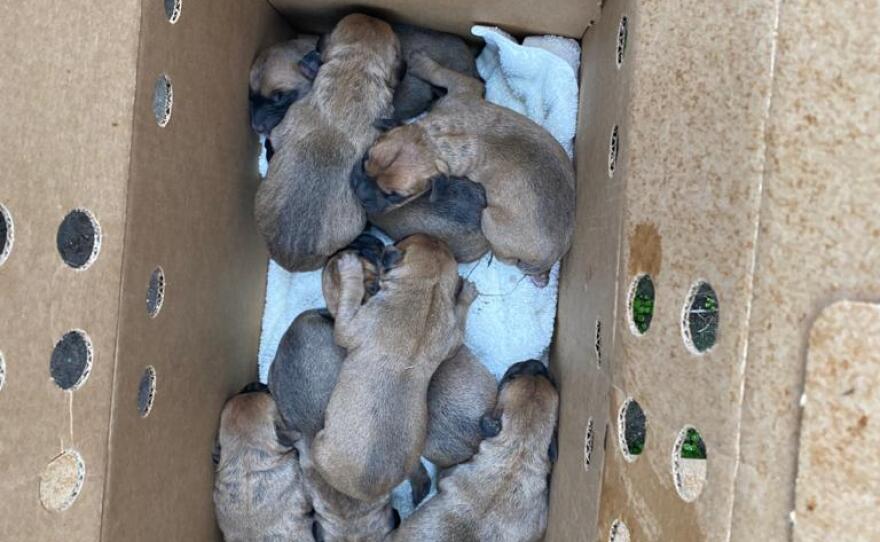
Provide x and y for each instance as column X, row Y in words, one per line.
column 376, row 421
column 259, row 492
column 413, row 95
column 501, row 495
column 281, row 75
column 451, row 211
column 528, row 178
column 305, row 208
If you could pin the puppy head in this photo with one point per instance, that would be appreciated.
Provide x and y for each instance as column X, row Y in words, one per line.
column 527, row 407
column 364, row 33
column 399, row 167
column 280, row 76
column 419, row 257
column 369, row 250
column 251, row 420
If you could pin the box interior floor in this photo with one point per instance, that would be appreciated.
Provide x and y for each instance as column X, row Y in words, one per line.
column 731, row 143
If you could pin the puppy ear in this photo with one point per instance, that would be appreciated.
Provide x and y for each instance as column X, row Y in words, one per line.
column 310, row 64
column 391, row 258
column 215, row 453
column 383, row 125
column 490, row 426
column 553, row 449
column 255, row 387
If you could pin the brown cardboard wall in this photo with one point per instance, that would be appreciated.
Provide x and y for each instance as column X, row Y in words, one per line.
column 68, row 89
column 820, row 234
column 191, row 212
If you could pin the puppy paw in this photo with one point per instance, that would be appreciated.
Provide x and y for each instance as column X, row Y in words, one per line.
column 468, row 293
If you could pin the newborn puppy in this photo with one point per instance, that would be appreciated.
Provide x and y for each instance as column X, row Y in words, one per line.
column 450, row 211
column 258, row 486
column 305, row 208
column 501, row 495
column 375, row 424
column 413, row 95
column 281, row 75
column 528, row 178
column 369, row 249
column 461, row 392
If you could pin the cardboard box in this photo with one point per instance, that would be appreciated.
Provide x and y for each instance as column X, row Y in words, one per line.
column 746, row 142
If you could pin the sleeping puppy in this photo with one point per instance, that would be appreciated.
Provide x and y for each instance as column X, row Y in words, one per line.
column 281, row 75
column 450, row 211
column 258, row 487
column 501, row 495
column 461, row 392
column 528, row 178
column 413, row 95
column 305, row 208
column 375, row 423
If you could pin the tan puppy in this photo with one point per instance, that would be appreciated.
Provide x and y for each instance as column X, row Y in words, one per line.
column 281, row 75
column 461, row 392
column 258, row 487
column 375, row 424
column 501, row 495
column 305, row 208
column 528, row 178
column 451, row 212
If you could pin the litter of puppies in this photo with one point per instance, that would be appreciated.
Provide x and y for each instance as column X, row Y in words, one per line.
column 361, row 390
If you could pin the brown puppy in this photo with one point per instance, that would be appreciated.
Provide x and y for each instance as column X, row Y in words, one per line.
column 461, row 392
column 528, row 178
column 258, row 487
column 375, row 424
column 305, row 208
column 501, row 495
column 281, row 75
column 414, row 96
column 451, row 212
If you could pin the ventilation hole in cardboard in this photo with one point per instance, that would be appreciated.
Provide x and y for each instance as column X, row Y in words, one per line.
column 156, row 292
column 71, row 360
column 619, row 532
column 700, row 320
column 172, row 10
column 146, row 391
column 163, row 98
column 689, row 464
column 632, row 429
column 588, row 444
column 2, row 371
column 598, row 344
column 7, row 233
column 621, row 40
column 641, row 304
column 613, row 150
column 62, row 480
column 79, row 239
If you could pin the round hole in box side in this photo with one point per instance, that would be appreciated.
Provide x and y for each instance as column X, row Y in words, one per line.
column 632, row 429
column 700, row 319
column 146, row 391
column 2, row 371
column 62, row 480
column 156, row 292
column 598, row 344
column 622, row 34
column 641, row 304
column 71, row 360
column 7, row 233
column 172, row 10
column 588, row 444
column 613, row 150
column 79, row 239
column 619, row 532
column 689, row 464
column 163, row 100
